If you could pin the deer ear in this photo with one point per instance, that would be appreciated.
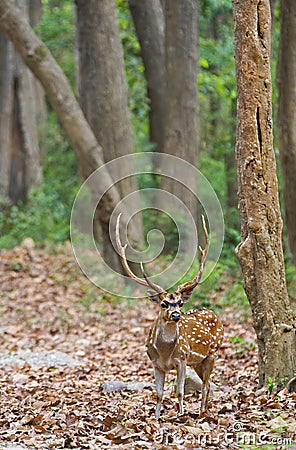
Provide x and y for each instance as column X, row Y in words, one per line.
column 154, row 296
column 186, row 295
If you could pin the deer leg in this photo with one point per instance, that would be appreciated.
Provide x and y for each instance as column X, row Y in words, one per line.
column 204, row 370
column 181, row 373
column 159, row 381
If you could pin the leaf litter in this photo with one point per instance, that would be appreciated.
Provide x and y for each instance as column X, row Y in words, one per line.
column 74, row 373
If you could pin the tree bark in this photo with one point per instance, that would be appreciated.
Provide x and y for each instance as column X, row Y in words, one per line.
column 37, row 56
column 6, row 96
column 181, row 109
column 260, row 252
column 103, row 95
column 286, row 84
column 19, row 139
column 272, row 10
column 148, row 18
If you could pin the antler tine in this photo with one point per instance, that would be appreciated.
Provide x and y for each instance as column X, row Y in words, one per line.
column 153, row 286
column 189, row 285
column 121, row 248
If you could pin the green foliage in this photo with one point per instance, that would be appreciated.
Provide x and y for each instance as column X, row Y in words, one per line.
column 56, row 29
column 291, row 280
column 216, row 76
column 164, row 224
column 235, row 295
column 214, row 170
column 217, row 89
column 202, row 295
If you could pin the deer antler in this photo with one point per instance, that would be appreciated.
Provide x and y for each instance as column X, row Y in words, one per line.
column 121, row 248
column 190, row 285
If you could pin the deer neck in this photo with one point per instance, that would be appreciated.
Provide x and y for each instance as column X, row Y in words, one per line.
column 166, row 333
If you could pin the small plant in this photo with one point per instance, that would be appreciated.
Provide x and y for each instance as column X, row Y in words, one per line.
column 241, row 345
column 270, row 385
column 283, row 381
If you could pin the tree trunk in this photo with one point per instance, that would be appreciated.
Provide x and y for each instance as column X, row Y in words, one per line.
column 20, row 153
column 260, row 251
column 272, row 10
column 88, row 152
column 181, row 109
column 103, row 95
column 148, row 18
column 6, row 96
column 286, row 84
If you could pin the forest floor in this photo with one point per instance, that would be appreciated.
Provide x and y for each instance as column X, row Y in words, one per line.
column 61, row 340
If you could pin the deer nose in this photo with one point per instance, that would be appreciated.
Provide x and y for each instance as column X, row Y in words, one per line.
column 175, row 316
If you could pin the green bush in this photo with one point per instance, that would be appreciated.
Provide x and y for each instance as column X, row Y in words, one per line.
column 57, row 31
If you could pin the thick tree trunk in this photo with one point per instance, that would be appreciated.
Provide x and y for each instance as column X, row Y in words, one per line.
column 286, row 83
column 181, row 110
column 103, row 95
column 148, row 18
column 20, row 153
column 37, row 56
column 260, row 251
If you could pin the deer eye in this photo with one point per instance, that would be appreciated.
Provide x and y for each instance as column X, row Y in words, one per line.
column 164, row 304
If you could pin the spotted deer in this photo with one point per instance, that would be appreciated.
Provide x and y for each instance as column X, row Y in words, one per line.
column 178, row 339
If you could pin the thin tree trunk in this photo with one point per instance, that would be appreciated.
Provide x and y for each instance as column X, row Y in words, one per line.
column 272, row 10
column 6, row 96
column 25, row 165
column 260, row 251
column 37, row 56
column 286, row 83
column 148, row 18
column 181, row 111
column 35, row 14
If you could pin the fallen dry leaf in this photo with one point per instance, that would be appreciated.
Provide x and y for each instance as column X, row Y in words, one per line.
column 62, row 340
